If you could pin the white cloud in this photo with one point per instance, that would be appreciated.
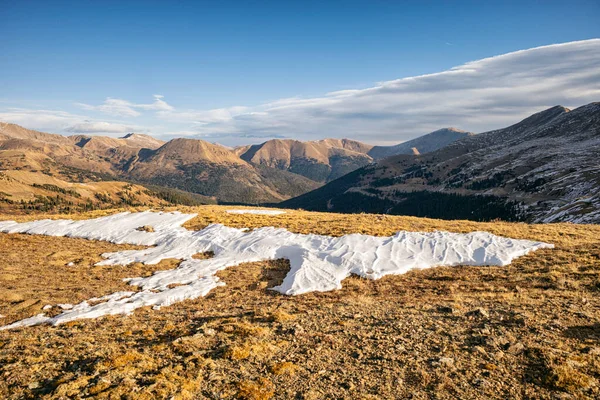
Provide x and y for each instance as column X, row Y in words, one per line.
column 62, row 122
column 50, row 120
column 477, row 96
column 124, row 108
column 91, row 127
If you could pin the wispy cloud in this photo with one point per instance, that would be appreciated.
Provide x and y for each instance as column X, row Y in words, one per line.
column 477, row 96
column 91, row 127
column 124, row 108
column 63, row 122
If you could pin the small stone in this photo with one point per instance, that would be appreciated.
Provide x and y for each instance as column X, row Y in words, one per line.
column 480, row 382
column 34, row 385
column 209, row 332
column 516, row 348
column 594, row 351
column 477, row 313
column 447, row 361
column 145, row 228
column 445, row 309
column 297, row 330
column 561, row 396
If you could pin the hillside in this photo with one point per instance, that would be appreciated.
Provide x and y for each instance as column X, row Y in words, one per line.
column 117, row 151
column 542, row 169
column 212, row 170
column 423, row 144
column 191, row 165
column 26, row 192
column 328, row 159
column 526, row 330
column 320, row 161
column 270, row 172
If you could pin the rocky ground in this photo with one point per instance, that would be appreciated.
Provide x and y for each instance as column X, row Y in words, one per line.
column 529, row 330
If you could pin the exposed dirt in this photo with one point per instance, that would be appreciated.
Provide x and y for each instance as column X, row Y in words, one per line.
column 529, row 330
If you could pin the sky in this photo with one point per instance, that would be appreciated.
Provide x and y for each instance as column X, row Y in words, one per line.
column 244, row 72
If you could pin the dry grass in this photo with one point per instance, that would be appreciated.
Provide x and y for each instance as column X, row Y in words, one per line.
column 261, row 389
column 409, row 335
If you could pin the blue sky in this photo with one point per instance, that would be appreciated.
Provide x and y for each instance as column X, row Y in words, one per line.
column 61, row 61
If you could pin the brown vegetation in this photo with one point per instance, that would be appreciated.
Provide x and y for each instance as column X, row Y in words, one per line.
column 528, row 330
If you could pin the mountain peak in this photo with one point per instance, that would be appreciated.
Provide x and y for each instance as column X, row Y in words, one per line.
column 196, row 150
column 423, row 144
column 538, row 119
column 142, row 140
column 453, row 129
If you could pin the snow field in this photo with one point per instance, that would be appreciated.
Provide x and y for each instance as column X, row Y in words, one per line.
column 317, row 262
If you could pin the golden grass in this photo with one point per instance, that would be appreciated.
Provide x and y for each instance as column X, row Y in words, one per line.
column 284, row 368
column 371, row 339
column 261, row 389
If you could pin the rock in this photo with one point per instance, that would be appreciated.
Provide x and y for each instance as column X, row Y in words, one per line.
column 561, row 396
column 297, row 330
column 480, row 382
column 477, row 313
column 209, row 332
column 446, row 361
column 11, row 297
column 25, row 304
column 145, row 228
column 445, row 310
column 516, row 348
column 34, row 385
column 442, row 362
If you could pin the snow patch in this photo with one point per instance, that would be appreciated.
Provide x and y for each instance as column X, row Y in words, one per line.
column 257, row 212
column 318, row 263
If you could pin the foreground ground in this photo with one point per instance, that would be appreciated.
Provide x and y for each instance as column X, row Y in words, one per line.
column 529, row 330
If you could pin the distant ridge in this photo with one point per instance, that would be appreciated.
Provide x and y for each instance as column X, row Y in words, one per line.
column 424, row 144
column 269, row 172
column 542, row 169
column 328, row 159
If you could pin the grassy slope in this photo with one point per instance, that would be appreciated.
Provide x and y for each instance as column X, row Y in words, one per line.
column 24, row 192
column 391, row 338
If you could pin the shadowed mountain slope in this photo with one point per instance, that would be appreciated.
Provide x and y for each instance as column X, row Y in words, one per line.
column 543, row 169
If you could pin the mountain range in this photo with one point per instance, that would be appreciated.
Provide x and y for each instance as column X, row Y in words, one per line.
column 545, row 168
column 270, row 172
column 328, row 159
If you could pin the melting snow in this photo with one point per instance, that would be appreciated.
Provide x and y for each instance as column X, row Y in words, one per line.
column 258, row 212
column 318, row 263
